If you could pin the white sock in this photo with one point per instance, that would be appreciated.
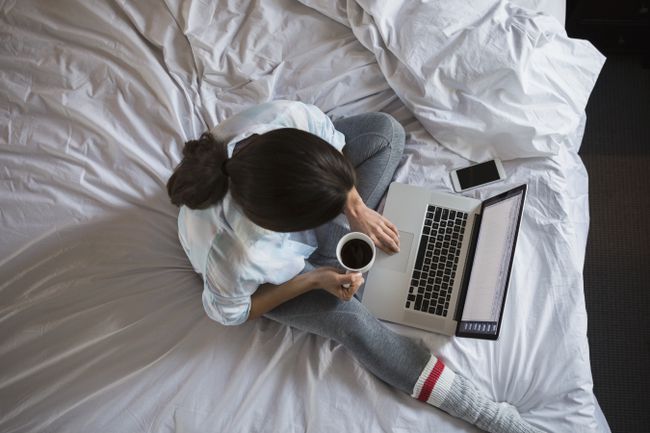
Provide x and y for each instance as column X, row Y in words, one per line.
column 434, row 383
column 439, row 386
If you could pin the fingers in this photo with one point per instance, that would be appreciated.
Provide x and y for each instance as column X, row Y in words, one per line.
column 393, row 233
column 347, row 294
column 355, row 280
column 392, row 227
column 387, row 240
column 391, row 242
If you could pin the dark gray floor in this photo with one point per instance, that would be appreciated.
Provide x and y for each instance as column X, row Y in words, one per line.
column 616, row 152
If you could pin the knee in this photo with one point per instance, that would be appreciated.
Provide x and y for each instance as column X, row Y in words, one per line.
column 392, row 130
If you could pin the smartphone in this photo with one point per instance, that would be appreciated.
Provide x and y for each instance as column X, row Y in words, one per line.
column 477, row 175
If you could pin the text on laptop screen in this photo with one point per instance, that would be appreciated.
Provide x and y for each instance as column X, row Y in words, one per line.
column 490, row 270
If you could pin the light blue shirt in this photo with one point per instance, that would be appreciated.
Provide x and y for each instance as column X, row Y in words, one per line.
column 233, row 254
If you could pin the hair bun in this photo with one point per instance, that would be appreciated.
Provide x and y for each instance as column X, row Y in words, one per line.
column 198, row 181
column 205, row 145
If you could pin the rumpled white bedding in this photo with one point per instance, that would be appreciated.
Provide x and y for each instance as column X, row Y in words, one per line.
column 101, row 322
column 485, row 79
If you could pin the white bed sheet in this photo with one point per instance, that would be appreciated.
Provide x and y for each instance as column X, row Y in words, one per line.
column 101, row 323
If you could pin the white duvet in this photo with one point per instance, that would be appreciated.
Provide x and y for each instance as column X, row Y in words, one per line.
column 101, row 322
column 485, row 79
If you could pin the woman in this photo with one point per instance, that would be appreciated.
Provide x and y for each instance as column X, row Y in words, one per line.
column 264, row 199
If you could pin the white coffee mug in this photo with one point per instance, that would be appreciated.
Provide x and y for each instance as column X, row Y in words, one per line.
column 351, row 236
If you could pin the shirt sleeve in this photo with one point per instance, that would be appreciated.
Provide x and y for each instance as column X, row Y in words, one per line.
column 229, row 311
column 227, row 283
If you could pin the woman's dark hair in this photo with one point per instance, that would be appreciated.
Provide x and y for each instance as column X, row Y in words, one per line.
column 198, row 181
column 285, row 180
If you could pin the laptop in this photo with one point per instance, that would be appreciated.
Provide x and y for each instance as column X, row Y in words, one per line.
column 452, row 272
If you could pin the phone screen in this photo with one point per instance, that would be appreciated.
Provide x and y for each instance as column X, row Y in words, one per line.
column 477, row 174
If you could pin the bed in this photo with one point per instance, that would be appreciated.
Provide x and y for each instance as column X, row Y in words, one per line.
column 101, row 322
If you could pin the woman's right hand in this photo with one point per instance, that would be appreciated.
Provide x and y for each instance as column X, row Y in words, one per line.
column 332, row 280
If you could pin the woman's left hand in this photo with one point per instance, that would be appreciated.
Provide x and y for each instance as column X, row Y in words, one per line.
column 365, row 220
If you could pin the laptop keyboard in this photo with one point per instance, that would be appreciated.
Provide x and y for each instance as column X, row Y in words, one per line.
column 437, row 261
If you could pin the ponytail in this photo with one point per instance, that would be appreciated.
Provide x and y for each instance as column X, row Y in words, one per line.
column 200, row 180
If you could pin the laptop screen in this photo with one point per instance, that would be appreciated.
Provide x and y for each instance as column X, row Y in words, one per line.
column 490, row 271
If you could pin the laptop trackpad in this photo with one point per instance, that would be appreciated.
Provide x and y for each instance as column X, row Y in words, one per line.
column 397, row 262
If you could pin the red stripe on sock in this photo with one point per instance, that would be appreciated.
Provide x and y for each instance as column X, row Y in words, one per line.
column 431, row 381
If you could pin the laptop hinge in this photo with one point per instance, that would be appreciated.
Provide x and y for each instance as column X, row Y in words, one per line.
column 464, row 284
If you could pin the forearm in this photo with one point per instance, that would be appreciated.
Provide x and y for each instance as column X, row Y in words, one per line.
column 269, row 296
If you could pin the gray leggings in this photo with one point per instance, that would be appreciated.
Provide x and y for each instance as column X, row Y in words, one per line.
column 375, row 142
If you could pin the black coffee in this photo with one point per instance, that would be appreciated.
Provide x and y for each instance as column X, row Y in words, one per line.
column 356, row 254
